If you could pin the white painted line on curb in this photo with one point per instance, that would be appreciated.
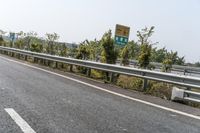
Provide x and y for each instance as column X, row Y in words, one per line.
column 111, row 92
column 20, row 122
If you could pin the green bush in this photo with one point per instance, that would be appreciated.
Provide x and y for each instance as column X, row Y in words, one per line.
column 96, row 74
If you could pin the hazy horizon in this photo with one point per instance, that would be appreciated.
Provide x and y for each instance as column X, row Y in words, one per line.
column 177, row 22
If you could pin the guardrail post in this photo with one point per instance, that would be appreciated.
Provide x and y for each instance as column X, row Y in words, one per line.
column 71, row 68
column 111, row 77
column 106, row 77
column 18, row 56
column 25, row 58
column 185, row 70
column 62, row 65
column 145, row 84
column 48, row 63
column 34, row 59
column 88, row 72
column 56, row 64
column 188, row 88
column 42, row 62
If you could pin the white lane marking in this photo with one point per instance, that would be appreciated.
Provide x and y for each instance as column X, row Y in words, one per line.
column 20, row 122
column 111, row 92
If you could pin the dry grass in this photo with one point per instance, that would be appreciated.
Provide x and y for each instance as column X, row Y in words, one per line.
column 128, row 82
column 160, row 89
column 157, row 89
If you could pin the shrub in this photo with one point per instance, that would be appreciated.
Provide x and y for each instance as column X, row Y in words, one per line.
column 96, row 74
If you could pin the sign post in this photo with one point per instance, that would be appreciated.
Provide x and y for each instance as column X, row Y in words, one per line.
column 121, row 35
column 12, row 37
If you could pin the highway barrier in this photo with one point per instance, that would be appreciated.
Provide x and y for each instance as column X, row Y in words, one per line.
column 181, row 80
column 176, row 68
column 186, row 95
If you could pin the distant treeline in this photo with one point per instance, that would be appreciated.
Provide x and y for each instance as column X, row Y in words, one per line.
column 103, row 50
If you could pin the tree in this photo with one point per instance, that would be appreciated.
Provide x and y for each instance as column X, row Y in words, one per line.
column 144, row 57
column 145, row 46
column 125, row 56
column 95, row 49
column 167, row 65
column 197, row 64
column 72, row 52
column 21, row 41
column 36, row 45
column 83, row 51
column 180, row 60
column 158, row 55
column 109, row 55
column 28, row 38
column 1, row 41
column 51, row 38
column 63, row 50
column 21, row 34
column 175, row 58
column 1, row 37
column 170, row 59
column 134, row 49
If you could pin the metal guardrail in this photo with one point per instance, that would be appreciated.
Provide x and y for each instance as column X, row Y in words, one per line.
column 192, row 96
column 185, row 95
column 182, row 80
column 179, row 68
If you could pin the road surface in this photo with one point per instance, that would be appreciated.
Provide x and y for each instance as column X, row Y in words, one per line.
column 37, row 101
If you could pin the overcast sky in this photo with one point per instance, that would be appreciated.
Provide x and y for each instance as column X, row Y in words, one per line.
column 177, row 22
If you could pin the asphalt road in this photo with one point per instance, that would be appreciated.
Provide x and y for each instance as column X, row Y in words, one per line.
column 52, row 104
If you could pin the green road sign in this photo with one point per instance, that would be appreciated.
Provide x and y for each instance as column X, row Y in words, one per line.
column 121, row 35
column 121, row 40
column 12, row 36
